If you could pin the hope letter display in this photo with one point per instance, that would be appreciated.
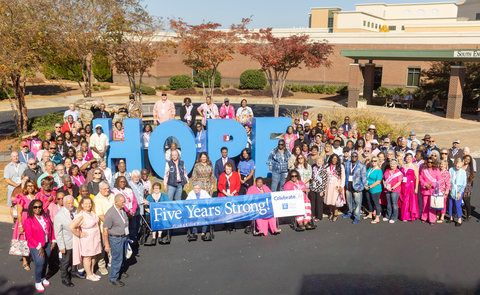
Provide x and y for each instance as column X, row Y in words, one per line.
column 188, row 213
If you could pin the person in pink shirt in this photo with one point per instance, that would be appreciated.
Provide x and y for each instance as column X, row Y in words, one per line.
column 163, row 110
column 55, row 206
column 226, row 110
column 392, row 179
column 34, row 143
column 263, row 225
column 430, row 176
column 208, row 110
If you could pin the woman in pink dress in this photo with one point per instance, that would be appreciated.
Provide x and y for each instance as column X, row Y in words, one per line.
column 408, row 194
column 267, row 223
column 429, row 178
column 86, row 238
column 444, row 187
column 293, row 183
column 335, row 184
column 119, row 132
column 46, row 194
column 78, row 178
column 23, row 201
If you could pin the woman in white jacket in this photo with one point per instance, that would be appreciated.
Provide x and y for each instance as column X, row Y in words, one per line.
column 198, row 193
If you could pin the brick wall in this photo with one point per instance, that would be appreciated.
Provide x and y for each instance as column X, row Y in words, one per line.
column 394, row 73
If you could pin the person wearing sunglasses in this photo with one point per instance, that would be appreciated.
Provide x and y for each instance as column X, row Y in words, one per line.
column 33, row 171
column 40, row 240
column 429, row 177
column 294, row 183
column 373, row 190
column 319, row 122
column 431, row 146
column 392, row 181
column 58, row 131
column 164, row 110
column 458, row 178
column 54, row 156
column 444, row 157
column 278, row 163
column 56, row 205
column 355, row 182
column 93, row 185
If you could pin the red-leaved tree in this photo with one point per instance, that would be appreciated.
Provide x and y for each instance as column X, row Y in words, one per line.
column 278, row 55
column 206, row 47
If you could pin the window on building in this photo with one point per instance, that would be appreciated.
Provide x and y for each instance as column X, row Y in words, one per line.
column 403, row 28
column 364, row 23
column 376, row 26
column 477, row 16
column 392, row 28
column 175, row 52
column 434, row 12
column 406, row 13
column 413, row 77
column 330, row 22
column 330, row 30
column 368, row 24
column 420, row 13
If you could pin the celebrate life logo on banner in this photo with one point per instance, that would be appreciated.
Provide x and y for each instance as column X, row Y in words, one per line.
column 188, row 213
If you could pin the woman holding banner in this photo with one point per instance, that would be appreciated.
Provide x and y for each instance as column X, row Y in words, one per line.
column 267, row 223
column 228, row 185
column 196, row 194
column 336, row 181
column 293, row 183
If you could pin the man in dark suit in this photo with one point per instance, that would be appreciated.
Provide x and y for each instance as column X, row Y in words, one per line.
column 220, row 163
column 100, row 112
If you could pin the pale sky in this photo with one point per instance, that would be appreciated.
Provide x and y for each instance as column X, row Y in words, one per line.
column 266, row 13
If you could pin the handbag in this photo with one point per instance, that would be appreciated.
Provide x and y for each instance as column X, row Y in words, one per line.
column 19, row 247
column 436, row 199
column 128, row 249
column 340, row 202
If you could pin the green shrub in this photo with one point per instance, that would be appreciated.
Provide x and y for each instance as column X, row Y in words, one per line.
column 180, row 82
column 226, row 85
column 3, row 95
column 42, row 124
column 383, row 91
column 253, row 79
column 319, row 88
column 208, row 74
column 147, row 90
column 105, row 87
column 305, row 88
column 95, row 88
column 268, row 87
column 102, row 68
column 236, row 86
column 343, row 89
column 295, row 88
column 288, row 87
column 331, row 89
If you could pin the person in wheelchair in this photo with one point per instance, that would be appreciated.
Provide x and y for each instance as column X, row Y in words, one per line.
column 155, row 196
column 199, row 193
column 267, row 223
column 293, row 183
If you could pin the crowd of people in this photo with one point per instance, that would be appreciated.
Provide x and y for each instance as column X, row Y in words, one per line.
column 68, row 204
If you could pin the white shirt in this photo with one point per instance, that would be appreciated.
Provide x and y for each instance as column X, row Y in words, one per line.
column 305, row 121
column 73, row 113
column 99, row 142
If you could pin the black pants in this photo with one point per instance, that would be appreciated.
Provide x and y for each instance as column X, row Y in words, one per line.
column 147, row 161
column 316, row 204
column 468, row 207
column 420, row 204
column 244, row 187
column 66, row 265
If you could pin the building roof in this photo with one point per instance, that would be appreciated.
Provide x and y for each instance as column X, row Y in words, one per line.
column 456, row 55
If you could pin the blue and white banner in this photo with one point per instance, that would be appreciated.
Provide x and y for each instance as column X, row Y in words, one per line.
column 188, row 213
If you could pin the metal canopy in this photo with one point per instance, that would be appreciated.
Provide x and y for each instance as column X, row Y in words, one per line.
column 456, row 55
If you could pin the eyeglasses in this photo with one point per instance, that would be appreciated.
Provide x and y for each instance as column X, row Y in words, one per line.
column 281, row 144
column 31, row 164
column 74, row 141
column 164, row 95
column 58, row 127
column 37, row 207
column 443, row 153
column 97, row 173
column 360, row 141
column 429, row 162
column 294, row 176
column 367, row 151
column 374, row 161
column 59, row 139
column 354, row 156
column 30, row 186
column 58, row 199
column 297, row 119
column 52, row 148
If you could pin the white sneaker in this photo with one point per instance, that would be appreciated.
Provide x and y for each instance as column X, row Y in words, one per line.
column 103, row 271
column 385, row 219
column 45, row 283
column 39, row 287
column 392, row 221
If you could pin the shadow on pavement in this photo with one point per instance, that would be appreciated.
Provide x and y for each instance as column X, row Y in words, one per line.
column 375, row 284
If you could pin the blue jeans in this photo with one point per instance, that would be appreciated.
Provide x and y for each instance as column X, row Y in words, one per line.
column 354, row 199
column 134, row 227
column 41, row 263
column 278, row 177
column 458, row 206
column 392, row 200
column 373, row 200
column 175, row 192
column 117, row 249
column 195, row 229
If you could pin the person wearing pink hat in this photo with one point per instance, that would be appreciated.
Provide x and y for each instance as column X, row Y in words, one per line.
column 373, row 130
column 305, row 119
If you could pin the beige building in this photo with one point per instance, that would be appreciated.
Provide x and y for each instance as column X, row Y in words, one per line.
column 398, row 18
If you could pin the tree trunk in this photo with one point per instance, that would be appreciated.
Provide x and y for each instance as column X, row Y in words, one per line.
column 15, row 118
column 88, row 82
column 140, row 88
column 21, row 107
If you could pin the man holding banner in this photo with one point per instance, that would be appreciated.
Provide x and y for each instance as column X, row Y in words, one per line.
column 196, row 194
